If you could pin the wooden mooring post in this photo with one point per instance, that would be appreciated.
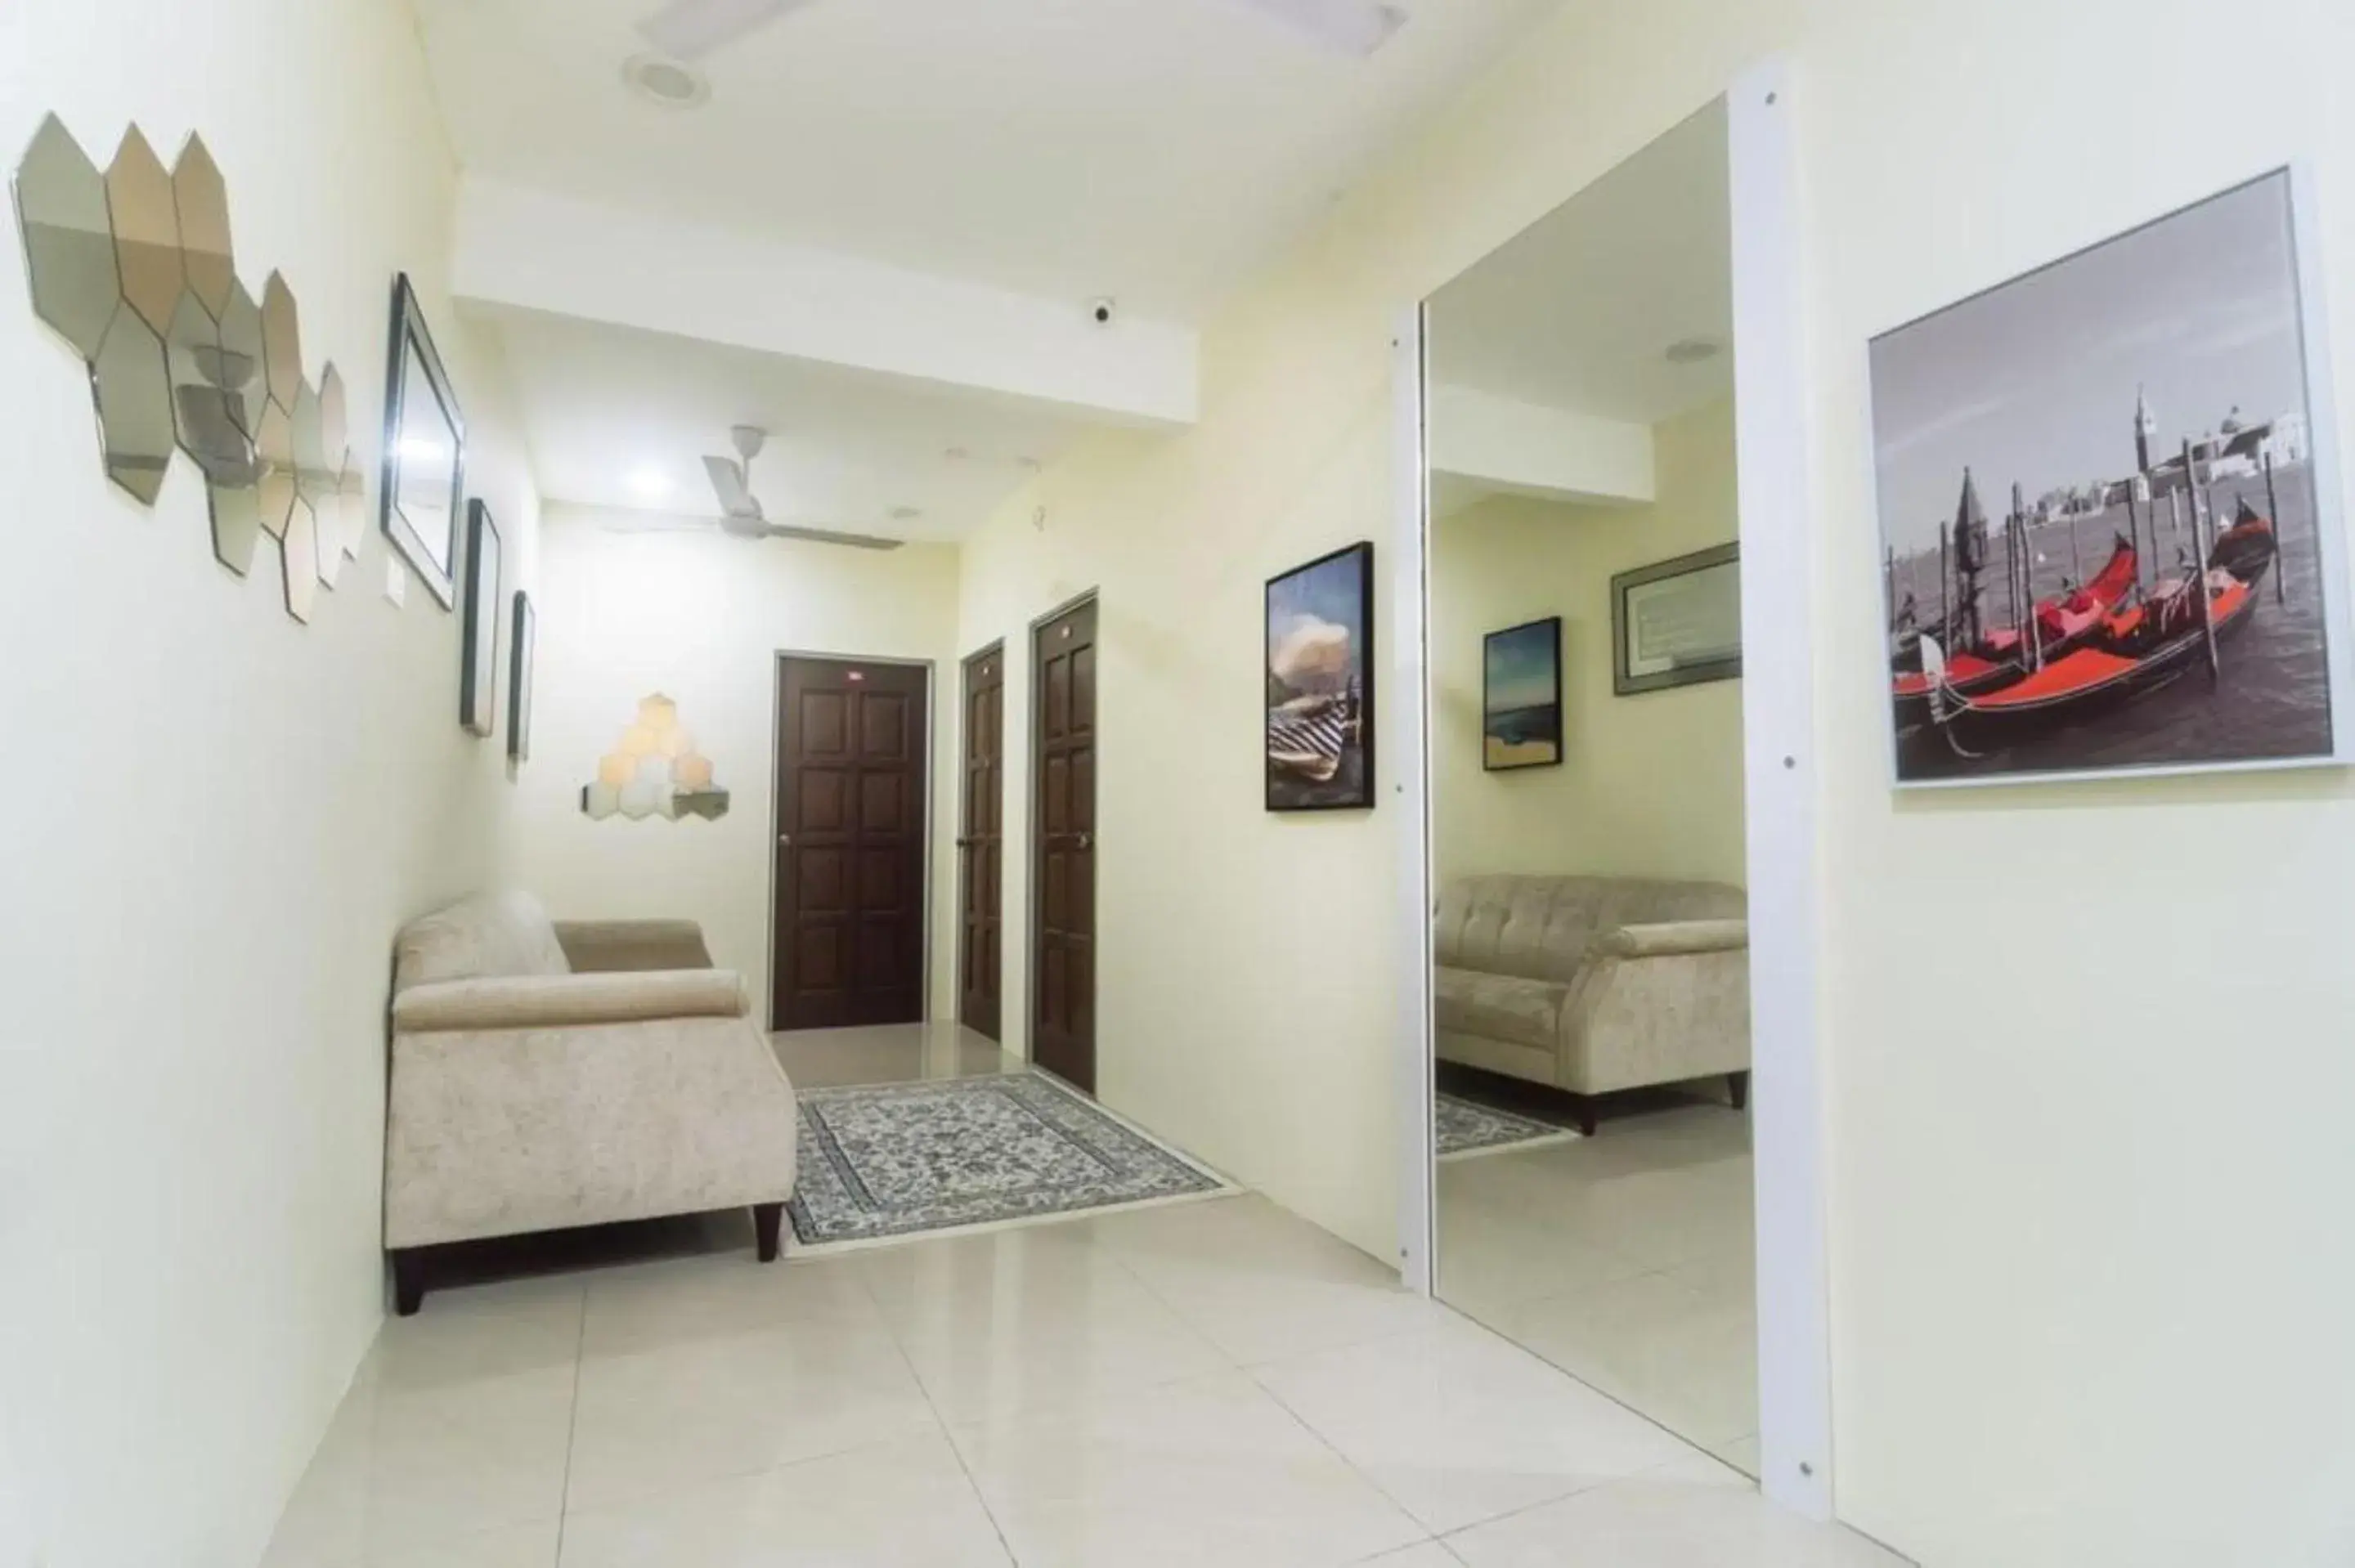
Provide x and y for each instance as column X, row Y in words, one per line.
column 2273, row 516
column 2200, row 570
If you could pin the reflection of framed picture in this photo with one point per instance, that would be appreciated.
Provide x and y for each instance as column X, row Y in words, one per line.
column 424, row 449
column 1677, row 623
column 520, row 639
column 1520, row 696
column 2109, row 509
column 1320, row 684
column 478, row 680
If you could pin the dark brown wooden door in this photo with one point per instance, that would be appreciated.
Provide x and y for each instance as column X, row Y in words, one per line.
column 850, row 844
column 981, row 843
column 1063, row 912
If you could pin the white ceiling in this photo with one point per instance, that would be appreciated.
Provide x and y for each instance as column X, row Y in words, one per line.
column 605, row 404
column 1576, row 312
column 1152, row 150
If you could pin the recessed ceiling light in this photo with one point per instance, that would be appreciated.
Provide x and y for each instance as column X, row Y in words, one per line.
column 1033, row 464
column 665, row 81
column 650, row 482
column 906, row 514
column 1692, row 350
column 958, row 455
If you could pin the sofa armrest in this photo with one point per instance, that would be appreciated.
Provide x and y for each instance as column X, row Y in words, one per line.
column 558, row 1001
column 600, row 947
column 1666, row 938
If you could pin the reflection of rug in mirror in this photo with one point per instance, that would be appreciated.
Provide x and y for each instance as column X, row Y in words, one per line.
column 1467, row 1126
column 899, row 1159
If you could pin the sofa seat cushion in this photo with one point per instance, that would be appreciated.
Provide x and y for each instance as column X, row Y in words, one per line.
column 1502, row 1007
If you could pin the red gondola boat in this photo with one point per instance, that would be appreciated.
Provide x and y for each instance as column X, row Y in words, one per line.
column 2063, row 622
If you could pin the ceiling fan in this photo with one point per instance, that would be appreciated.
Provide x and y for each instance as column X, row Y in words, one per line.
column 739, row 509
column 690, row 29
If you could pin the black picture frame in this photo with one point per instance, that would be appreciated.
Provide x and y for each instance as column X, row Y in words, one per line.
column 1626, row 681
column 1313, row 711
column 424, row 451
column 1539, row 717
column 521, row 638
column 479, row 657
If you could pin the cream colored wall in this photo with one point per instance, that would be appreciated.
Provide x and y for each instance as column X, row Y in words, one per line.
column 2087, row 1090
column 701, row 618
column 1649, row 785
column 218, row 818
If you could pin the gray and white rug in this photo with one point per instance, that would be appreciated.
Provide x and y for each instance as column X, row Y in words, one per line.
column 1465, row 1127
column 894, row 1159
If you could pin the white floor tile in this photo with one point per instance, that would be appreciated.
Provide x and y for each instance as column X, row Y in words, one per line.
column 1422, row 1554
column 1457, row 1427
column 1213, row 1470
column 1685, row 1359
column 458, row 1460
column 516, row 1546
column 1682, row 1516
column 476, row 1330
column 681, row 1300
column 898, row 1505
column 1028, row 1319
column 652, row 1421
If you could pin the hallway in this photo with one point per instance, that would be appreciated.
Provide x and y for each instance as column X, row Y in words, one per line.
column 1215, row 1381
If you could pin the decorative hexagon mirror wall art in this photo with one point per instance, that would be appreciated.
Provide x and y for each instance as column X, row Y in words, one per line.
column 133, row 267
column 654, row 771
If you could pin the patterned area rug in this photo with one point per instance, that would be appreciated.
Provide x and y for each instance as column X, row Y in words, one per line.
column 1467, row 1126
column 897, row 1160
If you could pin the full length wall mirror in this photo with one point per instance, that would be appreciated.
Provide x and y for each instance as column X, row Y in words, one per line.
column 1589, row 986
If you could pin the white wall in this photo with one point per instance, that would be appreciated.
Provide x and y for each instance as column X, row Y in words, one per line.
column 1649, row 785
column 701, row 618
column 217, row 817
column 2090, row 1259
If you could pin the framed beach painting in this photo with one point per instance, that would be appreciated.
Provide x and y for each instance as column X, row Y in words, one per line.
column 1520, row 696
column 479, row 642
column 1319, row 730
column 2109, row 530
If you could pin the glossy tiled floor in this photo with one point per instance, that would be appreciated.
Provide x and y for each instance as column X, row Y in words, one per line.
column 1217, row 1384
column 1626, row 1259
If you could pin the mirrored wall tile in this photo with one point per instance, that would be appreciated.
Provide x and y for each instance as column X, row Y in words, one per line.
column 282, row 342
column 240, row 359
column 275, row 444
column 335, row 432
column 312, row 480
column 69, row 242
column 351, row 497
column 237, row 525
column 147, row 231
column 200, row 197
column 134, row 404
column 300, row 553
column 601, row 800
column 200, row 409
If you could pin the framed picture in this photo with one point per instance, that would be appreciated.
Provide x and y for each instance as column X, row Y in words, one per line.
column 1520, row 696
column 1677, row 623
column 520, row 639
column 2109, row 539
column 478, row 678
column 1320, row 684
column 424, row 449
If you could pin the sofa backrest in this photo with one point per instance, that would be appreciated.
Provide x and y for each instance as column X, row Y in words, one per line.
column 1539, row 926
column 494, row 934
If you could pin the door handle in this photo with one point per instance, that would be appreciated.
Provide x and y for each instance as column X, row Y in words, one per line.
column 787, row 840
column 1087, row 840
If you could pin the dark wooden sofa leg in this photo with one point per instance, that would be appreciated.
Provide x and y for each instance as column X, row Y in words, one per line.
column 1737, row 1084
column 408, row 1280
column 766, row 1219
column 1584, row 1110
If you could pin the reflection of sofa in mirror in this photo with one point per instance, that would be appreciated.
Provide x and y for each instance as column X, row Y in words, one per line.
column 1593, row 983
column 550, row 1075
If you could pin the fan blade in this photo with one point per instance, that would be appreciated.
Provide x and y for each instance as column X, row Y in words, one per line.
column 728, row 479
column 690, row 29
column 1346, row 26
column 830, row 536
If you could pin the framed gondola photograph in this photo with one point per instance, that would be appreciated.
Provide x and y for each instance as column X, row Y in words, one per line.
column 423, row 497
column 2108, row 496
column 479, row 639
column 1319, row 730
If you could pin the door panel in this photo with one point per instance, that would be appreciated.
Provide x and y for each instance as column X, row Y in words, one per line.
column 981, row 844
column 851, row 854
column 1063, row 668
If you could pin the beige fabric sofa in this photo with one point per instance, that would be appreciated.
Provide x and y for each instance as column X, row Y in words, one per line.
column 1593, row 984
column 548, row 1075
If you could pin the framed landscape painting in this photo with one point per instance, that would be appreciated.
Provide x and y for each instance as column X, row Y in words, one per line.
column 2109, row 530
column 1320, row 684
column 1520, row 696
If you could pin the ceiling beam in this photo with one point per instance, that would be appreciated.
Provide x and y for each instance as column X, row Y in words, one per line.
column 1524, row 448
column 542, row 251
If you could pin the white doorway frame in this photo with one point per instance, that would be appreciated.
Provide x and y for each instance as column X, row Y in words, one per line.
column 1773, row 480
